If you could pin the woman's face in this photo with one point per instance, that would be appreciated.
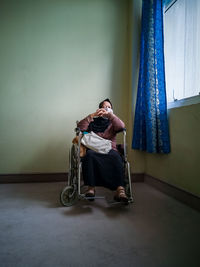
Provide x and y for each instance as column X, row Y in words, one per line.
column 106, row 104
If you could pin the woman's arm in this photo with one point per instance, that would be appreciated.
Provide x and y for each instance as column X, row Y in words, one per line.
column 84, row 123
column 116, row 122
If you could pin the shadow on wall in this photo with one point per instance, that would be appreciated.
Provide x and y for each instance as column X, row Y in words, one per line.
column 120, row 74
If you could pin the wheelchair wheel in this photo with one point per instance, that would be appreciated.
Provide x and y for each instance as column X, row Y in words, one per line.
column 127, row 190
column 69, row 196
column 73, row 159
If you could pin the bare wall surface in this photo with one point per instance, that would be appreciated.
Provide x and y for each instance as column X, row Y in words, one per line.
column 59, row 59
column 182, row 166
column 137, row 158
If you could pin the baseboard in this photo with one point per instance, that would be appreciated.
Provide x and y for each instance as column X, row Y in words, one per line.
column 49, row 177
column 137, row 177
column 179, row 194
column 33, row 178
column 173, row 191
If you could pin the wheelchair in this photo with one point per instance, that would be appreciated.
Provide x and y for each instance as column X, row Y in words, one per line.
column 71, row 194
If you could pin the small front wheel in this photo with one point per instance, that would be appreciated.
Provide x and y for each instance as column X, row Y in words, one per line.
column 69, row 196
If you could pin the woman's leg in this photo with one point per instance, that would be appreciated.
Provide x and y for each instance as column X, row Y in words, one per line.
column 120, row 194
column 88, row 169
column 104, row 170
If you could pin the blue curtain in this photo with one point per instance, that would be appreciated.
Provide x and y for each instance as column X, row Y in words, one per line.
column 151, row 126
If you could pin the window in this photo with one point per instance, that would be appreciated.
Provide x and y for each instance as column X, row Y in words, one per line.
column 182, row 48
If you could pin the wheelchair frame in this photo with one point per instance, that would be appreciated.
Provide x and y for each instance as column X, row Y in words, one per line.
column 71, row 194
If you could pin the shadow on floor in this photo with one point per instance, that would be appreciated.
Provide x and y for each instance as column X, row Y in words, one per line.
column 104, row 205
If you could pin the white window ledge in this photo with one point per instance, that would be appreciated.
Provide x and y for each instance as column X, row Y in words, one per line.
column 184, row 102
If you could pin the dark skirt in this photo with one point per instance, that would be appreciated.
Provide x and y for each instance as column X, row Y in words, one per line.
column 103, row 169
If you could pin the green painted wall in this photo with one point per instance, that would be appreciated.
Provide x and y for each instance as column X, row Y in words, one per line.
column 182, row 166
column 59, row 59
column 136, row 157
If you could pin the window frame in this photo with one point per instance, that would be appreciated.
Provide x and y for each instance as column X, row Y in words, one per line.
column 183, row 101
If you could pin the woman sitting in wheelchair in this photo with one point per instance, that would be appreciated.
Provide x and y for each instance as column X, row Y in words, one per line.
column 100, row 169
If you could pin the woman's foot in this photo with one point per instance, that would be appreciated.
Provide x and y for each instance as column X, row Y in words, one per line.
column 90, row 193
column 121, row 195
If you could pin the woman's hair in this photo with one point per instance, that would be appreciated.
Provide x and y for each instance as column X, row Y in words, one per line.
column 107, row 100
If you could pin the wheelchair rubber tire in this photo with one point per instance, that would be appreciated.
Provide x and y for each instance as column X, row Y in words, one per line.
column 69, row 196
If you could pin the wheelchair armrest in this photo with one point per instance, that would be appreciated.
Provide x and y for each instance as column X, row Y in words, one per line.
column 122, row 148
column 77, row 131
column 121, row 130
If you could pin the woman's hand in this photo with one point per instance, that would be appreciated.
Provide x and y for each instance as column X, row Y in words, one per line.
column 101, row 112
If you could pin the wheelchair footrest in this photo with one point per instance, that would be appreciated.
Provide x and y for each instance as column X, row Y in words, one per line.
column 114, row 202
column 96, row 197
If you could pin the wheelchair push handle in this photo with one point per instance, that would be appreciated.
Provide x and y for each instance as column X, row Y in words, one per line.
column 121, row 130
column 77, row 129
